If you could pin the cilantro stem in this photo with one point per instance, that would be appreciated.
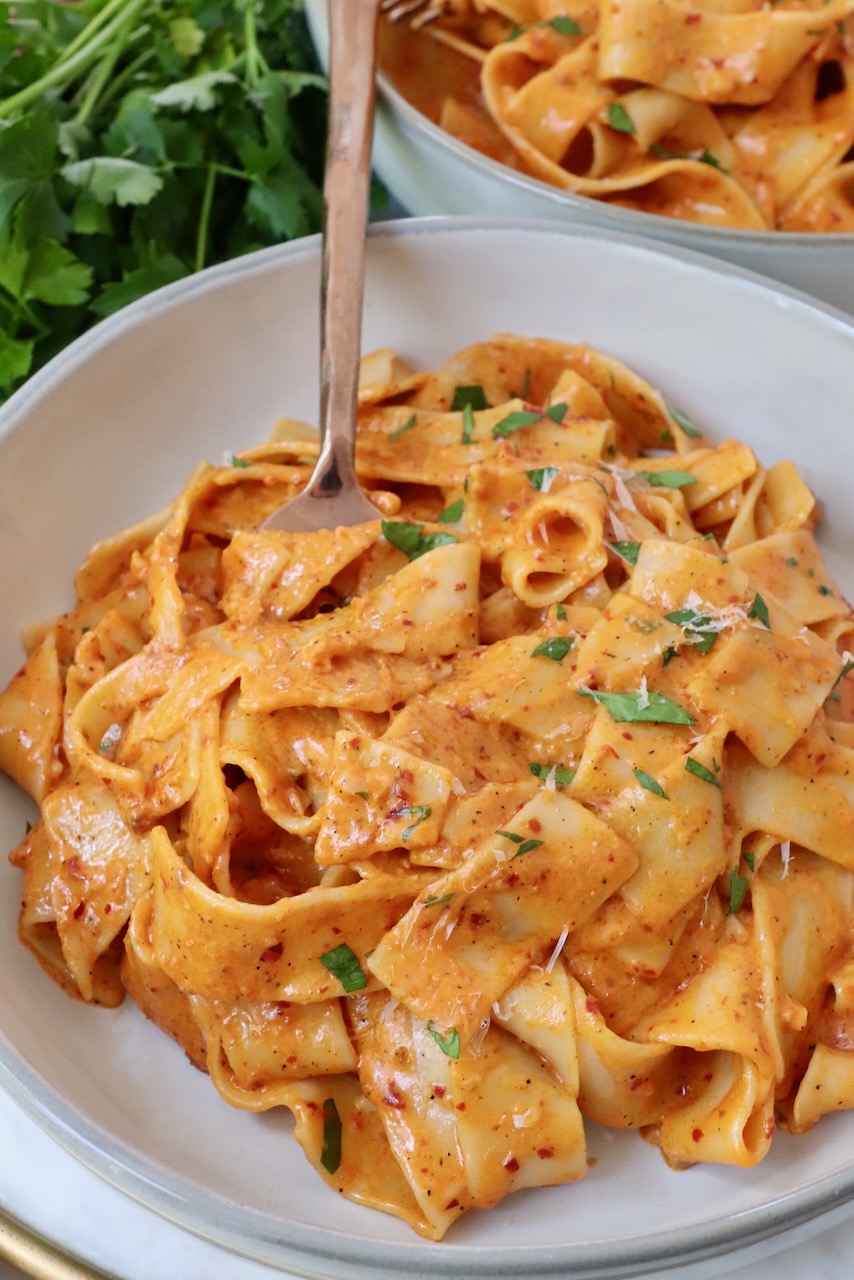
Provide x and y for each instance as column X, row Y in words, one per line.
column 102, row 73
column 116, row 86
column 66, row 68
column 255, row 65
column 205, row 217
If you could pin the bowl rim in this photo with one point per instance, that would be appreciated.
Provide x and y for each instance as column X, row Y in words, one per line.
column 221, row 1219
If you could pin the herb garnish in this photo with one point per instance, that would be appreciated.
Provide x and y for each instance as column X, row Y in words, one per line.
column 682, row 421
column 412, row 540
column 449, row 1044
column 626, row 550
column 344, row 965
column 519, row 418
column 738, row 886
column 330, row 1155
column 472, row 396
column 646, row 780
column 452, row 513
column 650, row 707
column 525, row 846
column 417, row 811
column 759, row 610
column 541, row 477
column 556, row 648
column 667, row 479
column 696, row 627
column 619, row 118
column 703, row 156
column 700, row 771
column 407, row 426
column 436, row 899
column 562, row 777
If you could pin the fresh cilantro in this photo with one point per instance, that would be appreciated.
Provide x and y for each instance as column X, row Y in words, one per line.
column 556, row 412
column 525, row 846
column 667, row 479
column 702, row 155
column 738, row 886
column 330, row 1155
column 682, row 421
column 343, row 964
column 449, row 1044
column 626, row 550
column 564, row 26
column 468, row 423
column 407, row 426
column 759, row 611
column 411, row 538
column 419, row 812
column 452, row 513
column 700, row 771
column 649, row 783
column 619, row 118
column 556, row 648
column 561, row 613
column 515, row 421
column 562, row 777
column 141, row 140
column 239, row 462
column 696, row 627
column 437, row 899
column 750, row 859
column 541, row 477
column 650, row 707
column 472, row 396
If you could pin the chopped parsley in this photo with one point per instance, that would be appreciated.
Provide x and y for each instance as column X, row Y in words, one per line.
column 239, row 462
column 682, row 421
column 343, row 964
column 738, row 886
column 667, row 479
column 626, row 550
column 452, row 513
column 468, row 423
column 700, row 771
column 703, row 156
column 562, row 777
column 556, row 648
column 436, row 899
column 650, row 707
column 417, row 811
column 696, row 627
column 401, row 431
column 619, row 118
column 525, row 846
column 469, row 397
column 541, row 477
column 561, row 613
column 412, row 540
column 649, row 783
column 759, row 610
column 330, row 1155
column 520, row 418
column 449, row 1044
column 561, row 24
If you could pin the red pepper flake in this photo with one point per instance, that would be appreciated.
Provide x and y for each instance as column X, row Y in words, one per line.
column 535, row 825
column 461, row 1106
column 392, row 1097
column 692, row 18
column 452, row 1204
column 439, row 1091
column 461, row 586
column 770, row 1126
column 79, row 909
column 545, row 1153
column 629, row 737
column 697, row 1135
column 108, row 908
column 511, row 1164
column 591, row 1005
column 477, row 918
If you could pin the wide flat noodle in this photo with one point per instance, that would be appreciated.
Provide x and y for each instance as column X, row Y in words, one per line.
column 528, row 802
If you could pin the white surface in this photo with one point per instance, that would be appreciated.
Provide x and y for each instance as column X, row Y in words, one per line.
column 113, row 428
column 432, row 173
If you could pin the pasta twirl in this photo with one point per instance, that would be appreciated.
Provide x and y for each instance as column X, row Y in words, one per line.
column 732, row 114
column 528, row 804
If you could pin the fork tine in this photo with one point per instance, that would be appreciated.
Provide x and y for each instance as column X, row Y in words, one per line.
column 397, row 9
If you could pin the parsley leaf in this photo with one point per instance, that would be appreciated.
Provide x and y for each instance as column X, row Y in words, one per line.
column 452, row 513
column 525, row 846
column 449, row 1044
column 401, row 431
column 330, row 1155
column 667, row 479
column 343, row 964
column 700, row 771
column 515, row 421
column 626, row 550
column 649, row 783
column 696, row 627
column 759, row 610
column 472, row 396
column 653, row 708
column 411, row 538
column 738, row 886
column 562, row 777
column 468, row 423
column 556, row 648
column 542, row 477
column 418, row 811
column 682, row 421
column 619, row 118
column 436, row 899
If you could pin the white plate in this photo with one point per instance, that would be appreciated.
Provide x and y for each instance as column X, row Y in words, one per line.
column 431, row 172
column 108, row 433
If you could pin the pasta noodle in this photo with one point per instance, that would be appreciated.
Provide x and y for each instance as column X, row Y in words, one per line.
column 735, row 113
column 528, row 804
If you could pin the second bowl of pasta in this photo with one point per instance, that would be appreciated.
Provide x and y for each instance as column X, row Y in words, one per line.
column 727, row 129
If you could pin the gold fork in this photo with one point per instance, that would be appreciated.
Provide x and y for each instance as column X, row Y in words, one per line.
column 420, row 12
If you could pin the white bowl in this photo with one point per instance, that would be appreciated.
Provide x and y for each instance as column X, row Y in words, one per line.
column 430, row 172
column 110, row 431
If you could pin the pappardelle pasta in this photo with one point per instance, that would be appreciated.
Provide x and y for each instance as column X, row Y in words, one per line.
column 529, row 803
column 735, row 113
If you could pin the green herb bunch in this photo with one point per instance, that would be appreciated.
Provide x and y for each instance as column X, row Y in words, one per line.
column 141, row 140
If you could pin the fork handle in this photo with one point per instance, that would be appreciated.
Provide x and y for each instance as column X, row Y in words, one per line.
column 346, row 194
